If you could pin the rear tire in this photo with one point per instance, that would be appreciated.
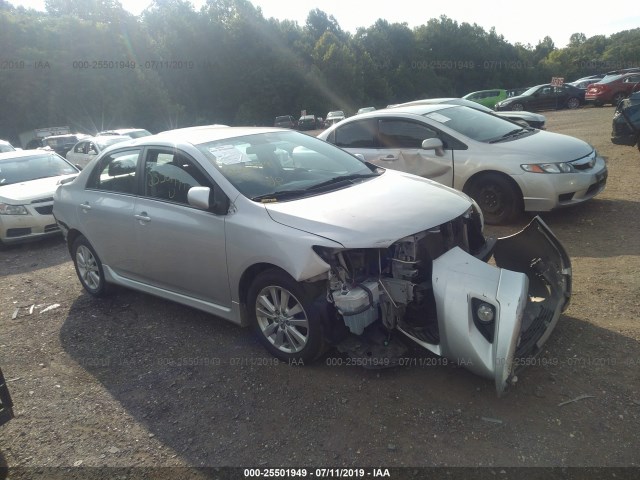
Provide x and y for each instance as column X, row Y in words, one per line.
column 89, row 267
column 617, row 98
column 497, row 197
column 573, row 103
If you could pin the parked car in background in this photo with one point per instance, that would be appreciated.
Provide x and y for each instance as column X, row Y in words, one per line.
column 61, row 144
column 285, row 121
column 129, row 132
column 488, row 98
column 28, row 179
column 86, row 150
column 6, row 147
column 318, row 257
column 584, row 82
column 544, row 97
column 307, row 122
column 522, row 118
column 612, row 89
column 6, row 404
column 366, row 109
column 626, row 122
column 333, row 117
column 505, row 168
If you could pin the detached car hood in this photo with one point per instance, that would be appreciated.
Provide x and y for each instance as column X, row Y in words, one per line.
column 373, row 213
column 546, row 146
column 25, row 192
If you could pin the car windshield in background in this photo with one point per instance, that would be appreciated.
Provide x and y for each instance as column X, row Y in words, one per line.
column 477, row 125
column 24, row 169
column 284, row 165
column 609, row 78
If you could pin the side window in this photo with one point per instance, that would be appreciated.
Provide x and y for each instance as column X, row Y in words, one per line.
column 79, row 148
column 395, row 133
column 360, row 134
column 116, row 172
column 92, row 150
column 169, row 175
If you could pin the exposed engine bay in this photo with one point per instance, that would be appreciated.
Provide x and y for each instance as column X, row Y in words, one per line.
column 414, row 288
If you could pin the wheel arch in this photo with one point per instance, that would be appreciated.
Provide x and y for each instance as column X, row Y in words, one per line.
column 72, row 235
column 244, row 285
column 478, row 175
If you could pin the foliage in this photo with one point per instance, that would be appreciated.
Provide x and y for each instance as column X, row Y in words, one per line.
column 91, row 65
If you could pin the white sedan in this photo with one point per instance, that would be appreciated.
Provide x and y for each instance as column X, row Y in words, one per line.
column 28, row 179
column 504, row 167
column 86, row 150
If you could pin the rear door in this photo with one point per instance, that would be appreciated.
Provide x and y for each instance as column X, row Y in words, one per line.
column 105, row 209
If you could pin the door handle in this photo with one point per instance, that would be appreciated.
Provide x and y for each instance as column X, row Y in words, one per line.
column 85, row 207
column 390, row 158
column 143, row 218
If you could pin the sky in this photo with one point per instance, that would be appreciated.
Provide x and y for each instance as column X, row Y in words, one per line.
column 518, row 22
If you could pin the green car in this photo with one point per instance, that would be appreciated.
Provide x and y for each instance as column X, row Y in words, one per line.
column 488, row 98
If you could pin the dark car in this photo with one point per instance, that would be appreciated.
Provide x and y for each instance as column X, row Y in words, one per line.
column 61, row 144
column 307, row 122
column 626, row 122
column 612, row 88
column 6, row 406
column 284, row 121
column 544, row 97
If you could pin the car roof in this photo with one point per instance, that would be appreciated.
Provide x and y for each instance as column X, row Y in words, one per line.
column 416, row 109
column 202, row 134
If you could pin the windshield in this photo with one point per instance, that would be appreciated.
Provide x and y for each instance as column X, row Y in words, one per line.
column 5, row 147
column 610, row 78
column 531, row 90
column 475, row 124
column 283, row 164
column 24, row 169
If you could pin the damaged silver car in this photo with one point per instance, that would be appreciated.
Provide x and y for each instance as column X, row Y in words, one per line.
column 313, row 248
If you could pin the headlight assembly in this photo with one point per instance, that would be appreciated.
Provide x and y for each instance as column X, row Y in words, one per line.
column 562, row 167
column 6, row 209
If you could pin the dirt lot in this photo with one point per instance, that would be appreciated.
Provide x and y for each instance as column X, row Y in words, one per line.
column 134, row 380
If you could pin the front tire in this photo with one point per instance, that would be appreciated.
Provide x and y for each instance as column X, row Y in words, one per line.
column 88, row 267
column 517, row 107
column 497, row 197
column 284, row 318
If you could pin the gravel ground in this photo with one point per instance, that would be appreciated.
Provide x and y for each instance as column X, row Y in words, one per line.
column 135, row 381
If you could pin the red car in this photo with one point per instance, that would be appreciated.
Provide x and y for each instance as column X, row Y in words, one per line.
column 612, row 88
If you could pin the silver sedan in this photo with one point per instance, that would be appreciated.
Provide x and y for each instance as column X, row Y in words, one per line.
column 505, row 167
column 311, row 247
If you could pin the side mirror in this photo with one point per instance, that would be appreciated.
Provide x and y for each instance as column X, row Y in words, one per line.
column 205, row 199
column 359, row 156
column 434, row 144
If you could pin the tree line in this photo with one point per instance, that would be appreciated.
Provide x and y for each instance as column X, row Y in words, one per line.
column 92, row 65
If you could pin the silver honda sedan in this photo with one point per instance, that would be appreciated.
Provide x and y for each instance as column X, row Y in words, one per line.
column 313, row 248
column 505, row 167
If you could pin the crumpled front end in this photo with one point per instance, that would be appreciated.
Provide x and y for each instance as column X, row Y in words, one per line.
column 492, row 318
column 441, row 289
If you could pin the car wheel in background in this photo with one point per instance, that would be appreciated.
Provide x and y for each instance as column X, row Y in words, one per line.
column 88, row 267
column 284, row 318
column 497, row 197
column 617, row 98
column 518, row 107
column 573, row 102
